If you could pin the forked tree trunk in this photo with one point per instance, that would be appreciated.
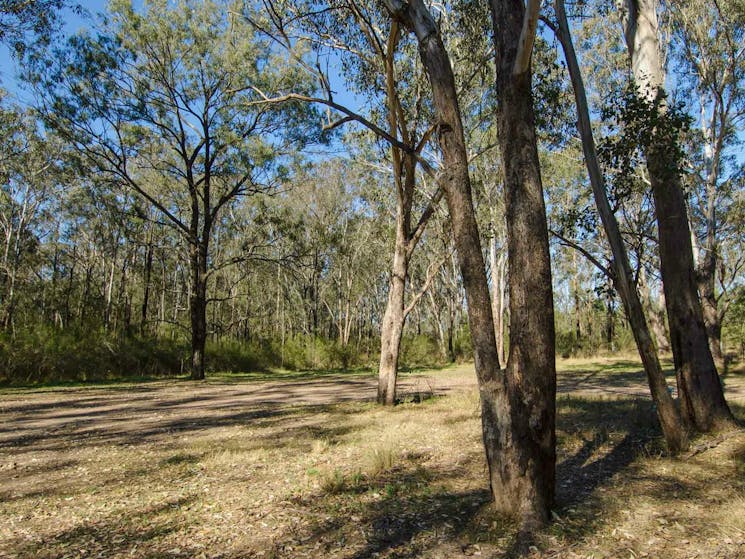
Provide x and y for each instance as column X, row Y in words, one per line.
column 699, row 386
column 517, row 419
column 523, row 472
column 667, row 412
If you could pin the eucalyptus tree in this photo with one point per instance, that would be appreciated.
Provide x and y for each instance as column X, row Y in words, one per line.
column 377, row 63
column 31, row 174
column 385, row 68
column 711, row 64
column 621, row 271
column 525, row 470
column 517, row 405
column 159, row 102
column 650, row 122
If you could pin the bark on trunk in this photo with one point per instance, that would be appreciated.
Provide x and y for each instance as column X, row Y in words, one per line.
column 707, row 267
column 699, row 386
column 523, row 474
column 517, row 418
column 498, row 279
column 656, row 316
column 393, row 320
column 146, row 281
column 610, row 318
column 667, row 412
column 521, row 480
column 710, row 305
column 198, row 309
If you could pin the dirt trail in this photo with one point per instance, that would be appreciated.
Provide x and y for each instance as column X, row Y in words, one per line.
column 130, row 414
column 143, row 413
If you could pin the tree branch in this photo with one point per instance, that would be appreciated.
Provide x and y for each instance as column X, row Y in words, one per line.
column 584, row 252
column 527, row 37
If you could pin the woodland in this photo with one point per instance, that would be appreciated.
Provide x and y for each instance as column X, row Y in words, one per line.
column 493, row 210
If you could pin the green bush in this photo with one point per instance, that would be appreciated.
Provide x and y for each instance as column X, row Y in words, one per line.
column 420, row 351
column 46, row 354
column 234, row 356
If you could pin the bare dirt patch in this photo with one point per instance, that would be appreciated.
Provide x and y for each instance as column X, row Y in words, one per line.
column 312, row 468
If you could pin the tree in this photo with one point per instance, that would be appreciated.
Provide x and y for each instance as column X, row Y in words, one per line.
column 699, row 386
column 712, row 63
column 517, row 418
column 160, row 103
column 30, row 172
column 621, row 273
column 526, row 469
column 22, row 21
column 378, row 64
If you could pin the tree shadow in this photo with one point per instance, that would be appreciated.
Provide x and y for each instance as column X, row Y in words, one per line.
column 613, row 433
column 399, row 513
column 114, row 534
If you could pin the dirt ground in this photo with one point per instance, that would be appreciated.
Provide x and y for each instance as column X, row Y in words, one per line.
column 147, row 412
column 311, row 468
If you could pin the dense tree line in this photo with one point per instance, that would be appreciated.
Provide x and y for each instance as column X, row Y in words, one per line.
column 228, row 185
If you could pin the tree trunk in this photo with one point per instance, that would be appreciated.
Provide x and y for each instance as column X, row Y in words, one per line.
column 667, row 413
column 439, row 329
column 497, row 267
column 146, row 281
column 706, row 274
column 523, row 474
column 198, row 308
column 656, row 316
column 699, row 386
column 610, row 318
column 517, row 428
column 707, row 268
column 393, row 320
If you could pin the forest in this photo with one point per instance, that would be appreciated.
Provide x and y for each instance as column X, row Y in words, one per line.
column 525, row 214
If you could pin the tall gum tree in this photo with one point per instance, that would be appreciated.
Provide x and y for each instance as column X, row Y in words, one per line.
column 622, row 276
column 383, row 71
column 711, row 56
column 528, row 424
column 699, row 387
column 517, row 416
column 159, row 103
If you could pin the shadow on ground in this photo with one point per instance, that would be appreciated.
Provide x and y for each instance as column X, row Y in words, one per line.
column 406, row 513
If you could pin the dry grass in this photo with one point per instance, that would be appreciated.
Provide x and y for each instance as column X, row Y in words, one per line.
column 356, row 481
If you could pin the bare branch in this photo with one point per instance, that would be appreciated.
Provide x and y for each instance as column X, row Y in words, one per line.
column 571, row 244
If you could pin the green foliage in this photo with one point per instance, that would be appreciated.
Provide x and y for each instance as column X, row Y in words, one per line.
column 420, row 351
column 25, row 23
column 238, row 357
column 46, row 354
column 554, row 114
column 640, row 127
column 49, row 355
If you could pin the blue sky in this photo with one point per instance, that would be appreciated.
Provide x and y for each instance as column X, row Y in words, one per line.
column 72, row 23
